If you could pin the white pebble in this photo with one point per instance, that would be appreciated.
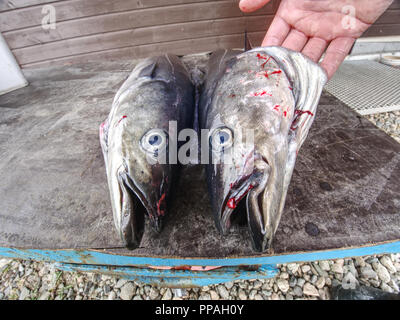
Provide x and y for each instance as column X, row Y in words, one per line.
column 337, row 268
column 127, row 291
column 167, row 295
column 223, row 292
column 310, row 290
column 381, row 271
column 387, row 262
column 283, row 285
column 305, row 268
column 292, row 267
column 320, row 283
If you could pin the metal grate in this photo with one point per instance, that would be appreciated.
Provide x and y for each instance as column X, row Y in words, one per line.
column 366, row 86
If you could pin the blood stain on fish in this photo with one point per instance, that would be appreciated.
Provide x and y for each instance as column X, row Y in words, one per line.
column 266, row 74
column 256, row 94
column 123, row 117
column 159, row 203
column 300, row 112
column 232, row 202
column 260, row 57
column 263, row 65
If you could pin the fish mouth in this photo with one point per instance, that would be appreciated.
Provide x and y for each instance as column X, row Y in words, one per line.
column 238, row 191
column 134, row 207
column 248, row 186
column 259, row 216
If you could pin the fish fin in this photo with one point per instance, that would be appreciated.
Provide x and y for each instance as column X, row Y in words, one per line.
column 149, row 70
column 247, row 43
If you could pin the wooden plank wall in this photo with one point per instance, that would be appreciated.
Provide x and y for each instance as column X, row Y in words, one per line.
column 89, row 30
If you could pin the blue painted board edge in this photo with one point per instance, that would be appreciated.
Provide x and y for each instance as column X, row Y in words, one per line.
column 96, row 257
column 176, row 278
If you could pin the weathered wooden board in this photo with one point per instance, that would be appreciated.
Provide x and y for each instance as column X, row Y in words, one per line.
column 141, row 36
column 75, row 9
column 53, row 193
column 126, row 20
column 180, row 47
column 6, row 5
column 391, row 16
column 87, row 28
column 383, row 30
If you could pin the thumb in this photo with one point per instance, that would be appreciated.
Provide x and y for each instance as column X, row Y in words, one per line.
column 252, row 5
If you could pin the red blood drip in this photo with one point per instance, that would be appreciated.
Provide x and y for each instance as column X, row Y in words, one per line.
column 290, row 88
column 231, row 203
column 285, row 113
column 259, row 56
column 300, row 112
column 232, row 95
column 277, row 107
column 159, row 203
column 262, row 93
column 273, row 72
column 123, row 117
column 263, row 65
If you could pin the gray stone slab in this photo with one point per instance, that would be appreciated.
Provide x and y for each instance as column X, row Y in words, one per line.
column 53, row 192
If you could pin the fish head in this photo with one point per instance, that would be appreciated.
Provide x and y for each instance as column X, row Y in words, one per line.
column 135, row 149
column 261, row 107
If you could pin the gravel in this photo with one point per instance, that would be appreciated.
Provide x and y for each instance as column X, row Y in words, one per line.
column 388, row 122
column 31, row 280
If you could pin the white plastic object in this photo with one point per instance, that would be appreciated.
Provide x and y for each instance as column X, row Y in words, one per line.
column 11, row 77
column 391, row 60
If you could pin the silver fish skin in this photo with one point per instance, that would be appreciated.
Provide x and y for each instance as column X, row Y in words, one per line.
column 274, row 93
column 134, row 138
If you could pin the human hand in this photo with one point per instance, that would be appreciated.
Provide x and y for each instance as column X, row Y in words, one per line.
column 313, row 27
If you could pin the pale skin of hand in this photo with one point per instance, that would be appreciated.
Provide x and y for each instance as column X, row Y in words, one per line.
column 314, row 27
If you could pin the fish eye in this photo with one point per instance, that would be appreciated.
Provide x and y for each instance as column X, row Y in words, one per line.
column 221, row 138
column 154, row 141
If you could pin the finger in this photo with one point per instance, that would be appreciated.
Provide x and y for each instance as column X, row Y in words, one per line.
column 314, row 48
column 276, row 33
column 295, row 40
column 335, row 54
column 252, row 5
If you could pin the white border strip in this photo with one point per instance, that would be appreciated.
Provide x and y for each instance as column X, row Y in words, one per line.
column 391, row 108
